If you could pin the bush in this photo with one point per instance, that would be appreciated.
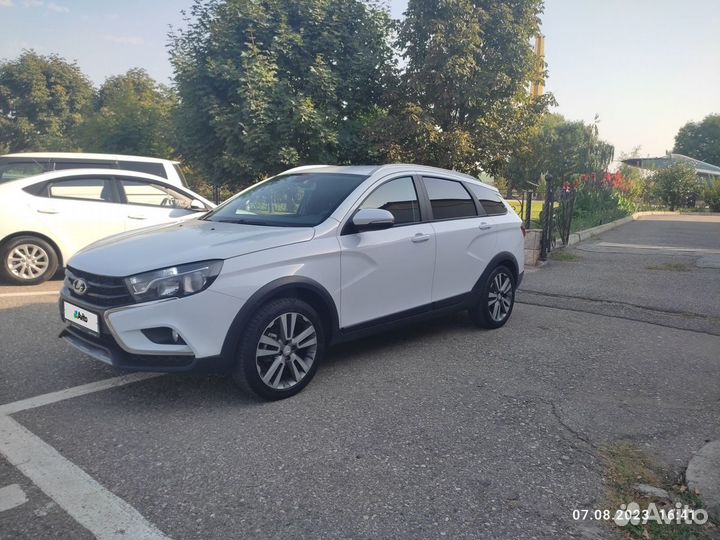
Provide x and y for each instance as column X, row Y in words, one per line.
column 600, row 199
column 675, row 184
column 711, row 195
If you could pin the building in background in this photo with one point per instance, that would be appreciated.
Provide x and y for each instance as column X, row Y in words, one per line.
column 706, row 172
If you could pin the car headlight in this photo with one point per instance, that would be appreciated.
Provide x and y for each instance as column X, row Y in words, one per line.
column 173, row 282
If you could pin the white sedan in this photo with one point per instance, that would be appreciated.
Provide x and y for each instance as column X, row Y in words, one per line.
column 46, row 219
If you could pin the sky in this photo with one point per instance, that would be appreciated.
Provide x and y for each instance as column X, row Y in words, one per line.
column 644, row 67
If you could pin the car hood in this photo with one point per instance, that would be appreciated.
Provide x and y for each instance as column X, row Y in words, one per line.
column 166, row 245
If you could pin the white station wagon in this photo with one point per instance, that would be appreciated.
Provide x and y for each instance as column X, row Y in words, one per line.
column 260, row 286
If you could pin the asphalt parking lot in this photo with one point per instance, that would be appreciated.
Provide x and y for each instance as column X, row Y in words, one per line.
column 438, row 430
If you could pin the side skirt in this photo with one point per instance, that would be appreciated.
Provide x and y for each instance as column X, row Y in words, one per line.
column 404, row 318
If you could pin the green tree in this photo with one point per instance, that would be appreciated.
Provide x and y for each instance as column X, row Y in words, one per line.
column 133, row 115
column 463, row 98
column 42, row 101
column 700, row 140
column 266, row 85
column 561, row 148
column 674, row 184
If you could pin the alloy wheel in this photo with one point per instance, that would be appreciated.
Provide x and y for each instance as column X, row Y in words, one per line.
column 500, row 296
column 28, row 261
column 286, row 351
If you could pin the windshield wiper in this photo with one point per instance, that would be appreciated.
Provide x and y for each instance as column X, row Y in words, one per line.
column 238, row 221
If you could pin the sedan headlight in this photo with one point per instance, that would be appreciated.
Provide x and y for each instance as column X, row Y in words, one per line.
column 173, row 282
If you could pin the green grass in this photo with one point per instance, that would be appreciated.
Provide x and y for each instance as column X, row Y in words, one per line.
column 670, row 267
column 535, row 210
column 625, row 465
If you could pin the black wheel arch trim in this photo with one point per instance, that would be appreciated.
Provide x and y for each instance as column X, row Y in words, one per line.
column 276, row 289
column 503, row 258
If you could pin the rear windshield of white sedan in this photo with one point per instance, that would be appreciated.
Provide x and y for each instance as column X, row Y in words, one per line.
column 293, row 200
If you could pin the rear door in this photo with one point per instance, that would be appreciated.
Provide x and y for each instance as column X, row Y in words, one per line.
column 150, row 203
column 465, row 239
column 80, row 210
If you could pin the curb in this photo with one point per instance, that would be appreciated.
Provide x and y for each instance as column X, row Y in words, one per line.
column 703, row 476
column 579, row 236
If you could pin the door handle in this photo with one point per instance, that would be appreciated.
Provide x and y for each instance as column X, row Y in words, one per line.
column 137, row 217
column 47, row 211
column 484, row 226
column 420, row 237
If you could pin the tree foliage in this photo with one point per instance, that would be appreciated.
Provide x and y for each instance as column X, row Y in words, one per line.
column 266, row 85
column 133, row 115
column 43, row 99
column 463, row 100
column 561, row 148
column 700, row 140
column 673, row 185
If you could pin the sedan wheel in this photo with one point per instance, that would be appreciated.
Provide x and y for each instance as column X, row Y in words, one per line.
column 27, row 260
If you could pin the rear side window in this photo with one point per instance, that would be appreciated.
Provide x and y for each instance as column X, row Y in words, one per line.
column 449, row 199
column 489, row 200
column 397, row 197
column 90, row 189
column 16, row 170
column 144, row 167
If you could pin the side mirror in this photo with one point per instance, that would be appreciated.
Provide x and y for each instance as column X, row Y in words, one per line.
column 197, row 205
column 372, row 219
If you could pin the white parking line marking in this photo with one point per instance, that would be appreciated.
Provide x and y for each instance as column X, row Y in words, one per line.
column 105, row 515
column 11, row 496
column 34, row 293
column 61, row 395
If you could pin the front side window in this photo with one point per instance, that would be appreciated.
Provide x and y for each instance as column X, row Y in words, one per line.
column 15, row 171
column 149, row 194
column 398, row 197
column 293, row 200
column 90, row 189
column 449, row 199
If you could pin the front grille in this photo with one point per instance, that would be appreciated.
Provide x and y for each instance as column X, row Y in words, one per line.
column 102, row 291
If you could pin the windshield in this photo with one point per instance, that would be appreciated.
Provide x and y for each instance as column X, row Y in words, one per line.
column 294, row 200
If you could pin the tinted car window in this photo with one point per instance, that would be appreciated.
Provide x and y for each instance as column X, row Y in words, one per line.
column 156, row 169
column 149, row 194
column 65, row 165
column 92, row 189
column 292, row 200
column 397, row 197
column 16, row 170
column 489, row 201
column 449, row 199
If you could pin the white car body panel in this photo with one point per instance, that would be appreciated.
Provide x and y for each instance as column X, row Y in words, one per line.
column 72, row 224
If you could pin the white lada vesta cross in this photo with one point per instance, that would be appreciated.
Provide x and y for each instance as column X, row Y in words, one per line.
column 261, row 286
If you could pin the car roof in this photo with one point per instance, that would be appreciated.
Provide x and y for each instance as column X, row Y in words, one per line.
column 80, row 155
column 367, row 170
column 51, row 175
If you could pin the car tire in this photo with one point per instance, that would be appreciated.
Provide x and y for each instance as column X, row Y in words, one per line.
column 28, row 260
column 496, row 299
column 279, row 352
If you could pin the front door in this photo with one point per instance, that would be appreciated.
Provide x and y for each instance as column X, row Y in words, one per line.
column 387, row 271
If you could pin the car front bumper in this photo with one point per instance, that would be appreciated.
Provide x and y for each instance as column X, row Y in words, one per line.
column 202, row 320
